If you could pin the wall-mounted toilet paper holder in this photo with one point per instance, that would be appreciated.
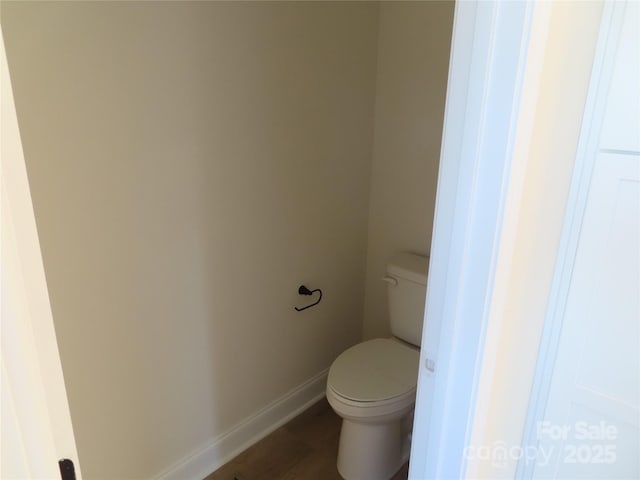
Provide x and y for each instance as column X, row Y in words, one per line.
column 302, row 290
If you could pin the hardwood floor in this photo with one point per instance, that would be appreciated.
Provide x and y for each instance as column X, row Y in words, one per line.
column 306, row 448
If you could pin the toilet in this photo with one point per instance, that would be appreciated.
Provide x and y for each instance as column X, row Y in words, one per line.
column 372, row 385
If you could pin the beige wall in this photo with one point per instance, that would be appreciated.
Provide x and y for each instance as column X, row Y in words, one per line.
column 413, row 59
column 191, row 164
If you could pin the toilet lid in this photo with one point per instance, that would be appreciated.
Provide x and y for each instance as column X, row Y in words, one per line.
column 375, row 370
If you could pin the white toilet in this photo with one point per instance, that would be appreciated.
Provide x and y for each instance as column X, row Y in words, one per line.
column 372, row 385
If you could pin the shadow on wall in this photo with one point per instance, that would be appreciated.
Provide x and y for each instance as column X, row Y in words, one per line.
column 191, row 164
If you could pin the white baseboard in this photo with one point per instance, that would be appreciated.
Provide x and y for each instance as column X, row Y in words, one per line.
column 241, row 436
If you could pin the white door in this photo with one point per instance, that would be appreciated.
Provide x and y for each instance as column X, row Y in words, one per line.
column 584, row 419
column 36, row 425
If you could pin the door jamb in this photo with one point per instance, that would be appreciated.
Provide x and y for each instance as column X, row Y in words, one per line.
column 608, row 36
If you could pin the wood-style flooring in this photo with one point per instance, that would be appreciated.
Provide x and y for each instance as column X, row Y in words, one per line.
column 306, row 448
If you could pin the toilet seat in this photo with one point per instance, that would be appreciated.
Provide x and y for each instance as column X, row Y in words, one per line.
column 371, row 411
column 378, row 375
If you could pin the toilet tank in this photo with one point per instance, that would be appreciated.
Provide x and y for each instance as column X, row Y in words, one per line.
column 407, row 289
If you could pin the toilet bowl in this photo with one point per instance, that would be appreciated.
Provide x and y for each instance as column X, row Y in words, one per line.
column 372, row 385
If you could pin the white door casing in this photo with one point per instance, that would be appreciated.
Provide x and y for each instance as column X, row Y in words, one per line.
column 36, row 423
column 490, row 47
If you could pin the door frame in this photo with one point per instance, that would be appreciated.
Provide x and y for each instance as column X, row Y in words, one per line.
column 36, row 421
column 495, row 51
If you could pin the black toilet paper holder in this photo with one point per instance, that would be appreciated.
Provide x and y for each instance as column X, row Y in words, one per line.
column 302, row 290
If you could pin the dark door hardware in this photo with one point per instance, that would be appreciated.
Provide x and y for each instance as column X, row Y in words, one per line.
column 67, row 471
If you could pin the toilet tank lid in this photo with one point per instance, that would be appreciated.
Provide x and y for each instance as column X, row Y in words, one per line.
column 409, row 266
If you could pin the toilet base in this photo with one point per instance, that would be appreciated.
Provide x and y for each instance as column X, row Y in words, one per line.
column 373, row 451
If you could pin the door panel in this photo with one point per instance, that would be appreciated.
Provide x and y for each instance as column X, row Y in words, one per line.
column 621, row 129
column 595, row 384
